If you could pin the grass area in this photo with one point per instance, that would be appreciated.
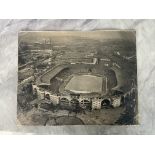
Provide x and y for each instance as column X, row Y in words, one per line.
column 85, row 84
column 64, row 117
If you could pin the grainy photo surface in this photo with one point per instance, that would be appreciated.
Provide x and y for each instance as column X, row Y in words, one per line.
column 77, row 78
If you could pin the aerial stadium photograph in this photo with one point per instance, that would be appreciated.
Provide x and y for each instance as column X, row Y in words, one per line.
column 77, row 78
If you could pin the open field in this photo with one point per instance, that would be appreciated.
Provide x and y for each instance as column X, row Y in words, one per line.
column 85, row 84
column 62, row 117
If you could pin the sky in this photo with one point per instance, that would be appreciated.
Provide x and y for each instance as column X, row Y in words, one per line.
column 33, row 36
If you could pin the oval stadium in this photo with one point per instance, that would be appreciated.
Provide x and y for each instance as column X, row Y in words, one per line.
column 90, row 84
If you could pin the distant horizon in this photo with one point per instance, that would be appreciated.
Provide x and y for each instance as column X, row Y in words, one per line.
column 101, row 35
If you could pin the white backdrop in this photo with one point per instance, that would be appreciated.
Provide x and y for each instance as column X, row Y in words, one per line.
column 145, row 30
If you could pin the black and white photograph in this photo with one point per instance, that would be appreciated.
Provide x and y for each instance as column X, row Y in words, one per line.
column 77, row 78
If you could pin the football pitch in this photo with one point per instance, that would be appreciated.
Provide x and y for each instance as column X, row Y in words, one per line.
column 85, row 84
